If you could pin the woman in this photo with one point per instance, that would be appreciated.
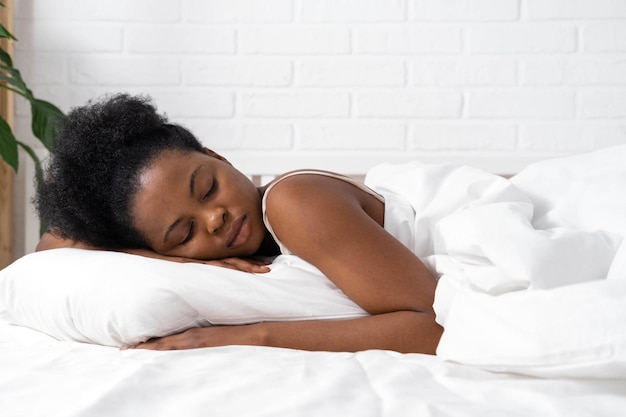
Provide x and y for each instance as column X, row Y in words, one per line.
column 122, row 178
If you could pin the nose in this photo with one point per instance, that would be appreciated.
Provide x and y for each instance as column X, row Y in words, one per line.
column 214, row 218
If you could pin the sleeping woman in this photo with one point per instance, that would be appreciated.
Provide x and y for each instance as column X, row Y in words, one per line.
column 121, row 177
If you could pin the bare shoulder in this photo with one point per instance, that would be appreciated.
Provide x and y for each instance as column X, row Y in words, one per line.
column 293, row 180
column 336, row 226
column 316, row 214
column 304, row 193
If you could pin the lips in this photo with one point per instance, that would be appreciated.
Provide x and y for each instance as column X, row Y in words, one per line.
column 238, row 233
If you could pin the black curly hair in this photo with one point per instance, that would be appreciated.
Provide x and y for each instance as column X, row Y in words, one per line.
column 93, row 171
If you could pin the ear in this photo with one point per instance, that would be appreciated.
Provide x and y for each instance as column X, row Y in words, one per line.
column 215, row 155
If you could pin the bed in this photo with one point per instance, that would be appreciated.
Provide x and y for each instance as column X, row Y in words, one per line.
column 532, row 296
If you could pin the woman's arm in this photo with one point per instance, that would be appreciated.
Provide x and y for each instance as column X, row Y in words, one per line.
column 337, row 227
column 52, row 241
column 402, row 331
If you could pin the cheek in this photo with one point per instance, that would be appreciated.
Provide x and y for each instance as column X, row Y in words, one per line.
column 199, row 248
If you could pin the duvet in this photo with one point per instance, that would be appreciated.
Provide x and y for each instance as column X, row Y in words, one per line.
column 532, row 269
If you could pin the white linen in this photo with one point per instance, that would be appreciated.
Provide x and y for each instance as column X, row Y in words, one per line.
column 584, row 192
column 44, row 377
column 508, row 254
column 520, row 339
column 117, row 299
column 532, row 278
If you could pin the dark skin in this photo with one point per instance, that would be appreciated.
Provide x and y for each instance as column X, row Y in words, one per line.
column 210, row 210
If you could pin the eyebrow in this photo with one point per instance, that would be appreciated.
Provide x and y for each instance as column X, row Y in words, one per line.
column 192, row 185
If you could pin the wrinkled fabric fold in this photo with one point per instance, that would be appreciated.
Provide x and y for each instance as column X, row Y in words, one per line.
column 530, row 239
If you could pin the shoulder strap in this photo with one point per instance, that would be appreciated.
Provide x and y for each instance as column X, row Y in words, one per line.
column 349, row 180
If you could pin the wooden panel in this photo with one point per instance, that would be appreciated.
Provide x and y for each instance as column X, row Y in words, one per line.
column 6, row 215
column 6, row 173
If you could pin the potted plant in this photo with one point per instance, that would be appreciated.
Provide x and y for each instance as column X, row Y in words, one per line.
column 44, row 114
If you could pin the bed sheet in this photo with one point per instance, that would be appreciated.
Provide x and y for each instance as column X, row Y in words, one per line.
column 532, row 270
column 45, row 377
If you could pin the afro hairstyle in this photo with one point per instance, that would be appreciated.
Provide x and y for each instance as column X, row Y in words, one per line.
column 92, row 174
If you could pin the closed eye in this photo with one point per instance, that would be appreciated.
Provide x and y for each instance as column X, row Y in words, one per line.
column 189, row 236
column 210, row 191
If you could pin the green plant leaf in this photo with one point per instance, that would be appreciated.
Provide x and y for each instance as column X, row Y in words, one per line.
column 13, row 77
column 4, row 33
column 5, row 57
column 45, row 117
column 38, row 174
column 34, row 157
column 10, row 81
column 8, row 145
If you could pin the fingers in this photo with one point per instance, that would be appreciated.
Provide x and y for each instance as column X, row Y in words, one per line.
column 189, row 339
column 172, row 342
column 257, row 266
column 240, row 264
column 249, row 265
column 150, row 344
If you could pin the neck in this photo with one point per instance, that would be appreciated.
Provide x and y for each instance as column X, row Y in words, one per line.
column 268, row 246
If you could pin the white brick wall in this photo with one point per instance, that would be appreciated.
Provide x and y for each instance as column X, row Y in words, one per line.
column 278, row 82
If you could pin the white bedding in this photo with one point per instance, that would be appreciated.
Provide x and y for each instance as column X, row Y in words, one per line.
column 44, row 377
column 117, row 299
column 532, row 270
column 532, row 295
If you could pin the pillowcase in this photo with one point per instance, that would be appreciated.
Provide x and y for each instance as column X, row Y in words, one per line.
column 118, row 299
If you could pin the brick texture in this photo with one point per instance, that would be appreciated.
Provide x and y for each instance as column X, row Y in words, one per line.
column 491, row 79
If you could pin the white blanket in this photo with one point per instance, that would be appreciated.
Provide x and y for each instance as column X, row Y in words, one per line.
column 532, row 270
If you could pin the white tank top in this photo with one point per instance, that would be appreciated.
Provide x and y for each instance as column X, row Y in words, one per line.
column 349, row 180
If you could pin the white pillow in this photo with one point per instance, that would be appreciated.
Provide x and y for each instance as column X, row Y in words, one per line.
column 118, row 299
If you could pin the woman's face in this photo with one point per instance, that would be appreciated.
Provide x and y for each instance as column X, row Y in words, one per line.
column 197, row 205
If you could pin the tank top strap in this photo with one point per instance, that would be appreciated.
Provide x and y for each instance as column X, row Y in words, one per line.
column 269, row 188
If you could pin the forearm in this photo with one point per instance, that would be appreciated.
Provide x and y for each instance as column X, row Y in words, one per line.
column 402, row 331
